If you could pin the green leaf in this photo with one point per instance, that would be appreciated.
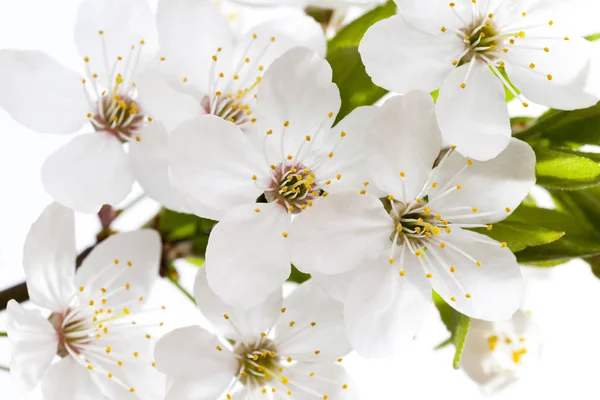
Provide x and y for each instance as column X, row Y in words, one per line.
column 580, row 239
column 593, row 37
column 456, row 323
column 583, row 205
column 518, row 235
column 356, row 87
column 174, row 226
column 579, row 126
column 460, row 336
column 352, row 34
column 197, row 261
column 297, row 276
column 565, row 170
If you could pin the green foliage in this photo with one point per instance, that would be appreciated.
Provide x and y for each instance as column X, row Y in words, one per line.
column 351, row 35
column 566, row 170
column 456, row 323
column 177, row 227
column 519, row 236
column 297, row 276
column 356, row 87
column 579, row 127
column 579, row 240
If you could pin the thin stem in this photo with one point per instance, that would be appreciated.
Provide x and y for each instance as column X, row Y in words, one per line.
column 3, row 334
column 182, row 289
column 4, row 368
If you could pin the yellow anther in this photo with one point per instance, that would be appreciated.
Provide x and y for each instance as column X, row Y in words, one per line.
column 392, row 261
column 474, row 209
column 507, row 209
column 286, row 123
column 452, row 269
column 219, row 348
column 463, row 85
column 490, row 227
column 418, row 253
column 503, row 244
column 453, row 299
column 363, row 191
column 284, row 234
column 444, row 29
column 532, row 65
column 549, row 76
column 342, row 134
column 478, row 263
column 442, row 245
column 468, row 295
column 458, row 187
column 429, row 276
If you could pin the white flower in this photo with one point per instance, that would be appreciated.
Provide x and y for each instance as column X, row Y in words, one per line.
column 464, row 48
column 498, row 354
column 93, row 312
column 255, row 182
column 43, row 95
column 280, row 348
column 413, row 240
column 205, row 69
column 333, row 4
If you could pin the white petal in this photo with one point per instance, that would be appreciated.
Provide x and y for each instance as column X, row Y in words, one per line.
column 494, row 288
column 151, row 167
column 69, row 380
column 126, row 258
column 294, row 30
column 401, row 58
column 339, row 233
column 89, row 171
column 404, row 141
column 246, row 325
column 384, row 310
column 329, row 379
column 247, row 254
column 308, row 304
column 306, row 101
column 165, row 100
column 189, row 357
column 348, row 158
column 214, row 162
column 474, row 118
column 49, row 258
column 40, row 93
column 437, row 14
column 559, row 77
column 190, row 33
column 337, row 286
column 148, row 382
column 123, row 24
column 492, row 186
column 33, row 342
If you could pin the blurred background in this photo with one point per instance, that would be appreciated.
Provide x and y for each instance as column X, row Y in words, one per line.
column 564, row 299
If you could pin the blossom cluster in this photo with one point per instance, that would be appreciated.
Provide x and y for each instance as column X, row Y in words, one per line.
column 380, row 206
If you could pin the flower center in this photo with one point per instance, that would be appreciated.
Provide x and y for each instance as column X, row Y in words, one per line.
column 258, row 363
column 481, row 38
column 508, row 352
column 119, row 115
column 293, row 187
column 414, row 221
column 229, row 107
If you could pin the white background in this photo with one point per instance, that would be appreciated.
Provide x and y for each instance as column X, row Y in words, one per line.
column 564, row 300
